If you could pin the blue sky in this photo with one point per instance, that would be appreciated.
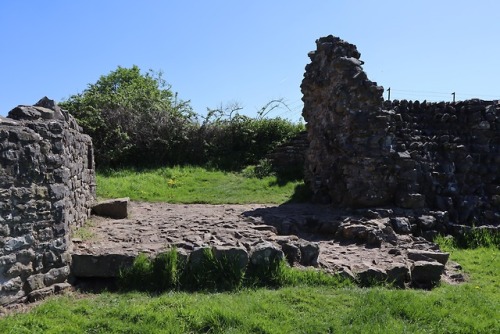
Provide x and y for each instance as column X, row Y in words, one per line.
column 250, row 52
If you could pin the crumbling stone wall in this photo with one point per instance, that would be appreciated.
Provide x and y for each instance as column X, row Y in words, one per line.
column 288, row 158
column 434, row 158
column 47, row 184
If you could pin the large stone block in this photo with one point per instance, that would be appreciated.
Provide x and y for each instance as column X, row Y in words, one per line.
column 113, row 208
column 104, row 265
column 425, row 274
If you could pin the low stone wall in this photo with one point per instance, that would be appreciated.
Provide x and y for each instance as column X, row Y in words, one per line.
column 440, row 159
column 288, row 158
column 47, row 184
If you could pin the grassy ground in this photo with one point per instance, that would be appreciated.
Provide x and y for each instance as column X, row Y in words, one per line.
column 307, row 307
column 304, row 305
column 194, row 185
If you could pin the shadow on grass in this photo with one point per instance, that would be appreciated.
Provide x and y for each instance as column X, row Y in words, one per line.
column 301, row 194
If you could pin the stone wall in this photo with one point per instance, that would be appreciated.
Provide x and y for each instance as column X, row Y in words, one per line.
column 47, row 184
column 437, row 158
column 288, row 158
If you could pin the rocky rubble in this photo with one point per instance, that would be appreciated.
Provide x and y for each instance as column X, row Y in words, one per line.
column 307, row 235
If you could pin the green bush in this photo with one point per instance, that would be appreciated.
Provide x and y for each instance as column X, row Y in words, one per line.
column 132, row 117
column 135, row 120
column 241, row 141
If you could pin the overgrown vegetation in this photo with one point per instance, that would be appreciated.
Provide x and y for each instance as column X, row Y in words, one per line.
column 478, row 237
column 197, row 185
column 136, row 120
column 471, row 238
column 169, row 271
column 305, row 304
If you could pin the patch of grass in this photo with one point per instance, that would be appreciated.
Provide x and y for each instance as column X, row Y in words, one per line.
column 479, row 237
column 85, row 232
column 309, row 305
column 211, row 272
column 471, row 238
column 194, row 185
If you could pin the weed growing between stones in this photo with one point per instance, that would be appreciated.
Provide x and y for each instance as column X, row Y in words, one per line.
column 85, row 232
column 272, row 274
column 213, row 272
column 139, row 276
column 166, row 269
column 170, row 271
column 209, row 271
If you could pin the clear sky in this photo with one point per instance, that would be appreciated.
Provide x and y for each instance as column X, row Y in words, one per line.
column 221, row 51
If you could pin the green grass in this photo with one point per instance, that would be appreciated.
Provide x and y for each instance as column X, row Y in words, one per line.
column 210, row 272
column 309, row 305
column 194, row 185
column 84, row 232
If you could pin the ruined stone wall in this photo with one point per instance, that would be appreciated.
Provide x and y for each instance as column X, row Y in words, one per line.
column 47, row 184
column 441, row 158
column 287, row 159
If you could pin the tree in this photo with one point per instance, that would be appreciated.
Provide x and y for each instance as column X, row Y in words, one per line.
column 133, row 118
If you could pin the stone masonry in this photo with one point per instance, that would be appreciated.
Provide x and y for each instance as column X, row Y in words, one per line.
column 435, row 160
column 47, row 184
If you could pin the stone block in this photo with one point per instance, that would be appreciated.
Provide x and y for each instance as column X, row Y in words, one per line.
column 425, row 274
column 427, row 222
column 13, row 285
column 401, row 225
column 266, row 253
column 234, row 255
column 40, row 294
column 114, row 208
column 410, row 200
column 398, row 274
column 309, row 253
column 368, row 276
column 56, row 275
column 19, row 270
column 35, row 282
column 424, row 255
column 292, row 252
column 103, row 265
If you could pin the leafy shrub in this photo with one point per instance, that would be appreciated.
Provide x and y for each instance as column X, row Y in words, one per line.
column 131, row 117
column 241, row 141
column 134, row 119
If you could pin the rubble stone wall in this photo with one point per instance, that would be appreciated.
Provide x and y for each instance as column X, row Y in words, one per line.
column 47, row 184
column 441, row 158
